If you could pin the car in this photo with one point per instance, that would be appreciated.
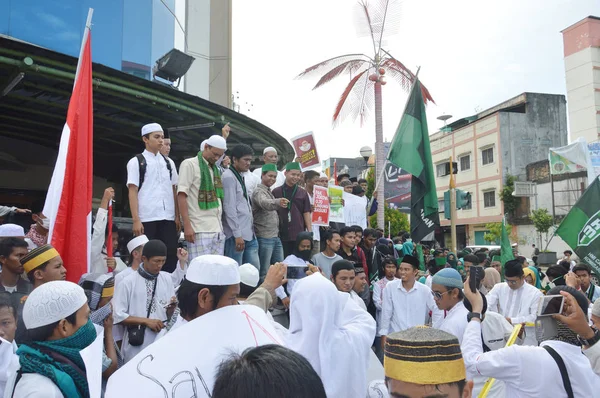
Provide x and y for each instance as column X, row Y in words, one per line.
column 474, row 248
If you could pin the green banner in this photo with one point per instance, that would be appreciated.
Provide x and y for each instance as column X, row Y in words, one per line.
column 581, row 227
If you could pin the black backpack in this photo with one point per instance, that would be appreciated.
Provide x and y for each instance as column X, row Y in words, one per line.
column 143, row 165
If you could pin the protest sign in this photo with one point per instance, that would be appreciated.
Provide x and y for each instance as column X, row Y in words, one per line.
column 183, row 363
column 306, row 150
column 336, row 210
column 320, row 215
column 92, row 358
column 355, row 210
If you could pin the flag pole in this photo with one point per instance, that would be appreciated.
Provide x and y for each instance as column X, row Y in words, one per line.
column 412, row 87
column 86, row 33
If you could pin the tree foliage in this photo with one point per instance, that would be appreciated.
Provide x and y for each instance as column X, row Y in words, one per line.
column 510, row 202
column 397, row 220
column 542, row 221
column 494, row 234
column 370, row 182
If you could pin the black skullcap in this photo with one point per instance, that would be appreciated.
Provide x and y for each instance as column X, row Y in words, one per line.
column 357, row 190
column 412, row 260
column 513, row 268
column 472, row 259
column 154, row 248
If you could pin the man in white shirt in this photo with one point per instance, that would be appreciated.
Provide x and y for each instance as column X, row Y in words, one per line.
column 270, row 157
column 532, row 371
column 515, row 299
column 328, row 256
column 200, row 197
column 390, row 268
column 446, row 287
column 103, row 262
column 145, row 300
column 407, row 303
column 567, row 257
column 152, row 195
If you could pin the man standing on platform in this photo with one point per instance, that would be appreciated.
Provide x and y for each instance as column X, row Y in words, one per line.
column 270, row 157
column 200, row 197
column 152, row 180
column 296, row 217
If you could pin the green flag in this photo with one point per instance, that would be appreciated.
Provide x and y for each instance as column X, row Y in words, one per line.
column 580, row 229
column 506, row 252
column 410, row 151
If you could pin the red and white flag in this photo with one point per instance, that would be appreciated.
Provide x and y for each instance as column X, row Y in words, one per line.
column 69, row 200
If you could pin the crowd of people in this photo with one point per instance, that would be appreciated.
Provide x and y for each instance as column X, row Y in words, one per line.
column 212, row 234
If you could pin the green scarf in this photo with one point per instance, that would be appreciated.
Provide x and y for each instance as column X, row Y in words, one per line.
column 71, row 380
column 209, row 193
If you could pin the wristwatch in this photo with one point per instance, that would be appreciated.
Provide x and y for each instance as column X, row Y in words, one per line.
column 472, row 315
column 592, row 341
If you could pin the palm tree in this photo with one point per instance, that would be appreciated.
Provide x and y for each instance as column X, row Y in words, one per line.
column 377, row 19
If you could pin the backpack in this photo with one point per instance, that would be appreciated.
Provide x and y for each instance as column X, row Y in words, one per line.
column 143, row 165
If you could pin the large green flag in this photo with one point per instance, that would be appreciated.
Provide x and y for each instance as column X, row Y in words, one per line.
column 506, row 252
column 410, row 151
column 581, row 227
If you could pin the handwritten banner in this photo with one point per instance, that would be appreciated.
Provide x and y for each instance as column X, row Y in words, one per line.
column 184, row 362
column 320, row 215
column 306, row 150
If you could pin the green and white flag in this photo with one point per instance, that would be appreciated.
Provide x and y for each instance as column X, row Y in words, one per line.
column 581, row 227
column 410, row 151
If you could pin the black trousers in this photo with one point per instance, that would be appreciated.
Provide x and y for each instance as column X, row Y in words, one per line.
column 166, row 231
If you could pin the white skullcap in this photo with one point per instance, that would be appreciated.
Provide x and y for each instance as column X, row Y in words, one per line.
column 213, row 270
column 217, row 141
column 136, row 242
column 52, row 302
column 151, row 128
column 202, row 145
column 323, row 175
column 269, row 149
column 249, row 275
column 11, row 231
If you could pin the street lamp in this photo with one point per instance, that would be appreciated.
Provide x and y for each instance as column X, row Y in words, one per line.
column 366, row 153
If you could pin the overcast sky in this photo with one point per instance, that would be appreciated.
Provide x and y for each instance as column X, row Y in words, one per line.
column 473, row 55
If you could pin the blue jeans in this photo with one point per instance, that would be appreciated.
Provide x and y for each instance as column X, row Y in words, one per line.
column 248, row 255
column 270, row 251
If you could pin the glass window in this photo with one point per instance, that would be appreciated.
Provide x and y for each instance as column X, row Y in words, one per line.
column 441, row 206
column 489, row 199
column 487, row 156
column 440, row 170
column 465, row 162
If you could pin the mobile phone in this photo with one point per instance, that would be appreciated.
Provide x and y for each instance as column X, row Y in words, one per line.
column 476, row 275
column 296, row 272
column 551, row 305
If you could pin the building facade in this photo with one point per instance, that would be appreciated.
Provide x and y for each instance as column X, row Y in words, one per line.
column 488, row 147
column 581, row 43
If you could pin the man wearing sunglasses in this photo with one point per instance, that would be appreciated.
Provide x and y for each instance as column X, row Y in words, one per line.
column 516, row 300
column 446, row 288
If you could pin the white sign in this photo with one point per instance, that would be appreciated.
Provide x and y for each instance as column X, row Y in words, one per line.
column 355, row 210
column 92, row 358
column 183, row 363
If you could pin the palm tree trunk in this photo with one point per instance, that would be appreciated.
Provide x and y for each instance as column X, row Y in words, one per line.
column 379, row 157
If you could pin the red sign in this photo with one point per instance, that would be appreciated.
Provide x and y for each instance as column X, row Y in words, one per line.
column 320, row 215
column 306, row 150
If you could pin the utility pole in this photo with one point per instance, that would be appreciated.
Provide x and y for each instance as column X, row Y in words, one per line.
column 452, row 188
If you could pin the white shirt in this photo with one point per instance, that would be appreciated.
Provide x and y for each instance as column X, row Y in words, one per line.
column 176, row 276
column 32, row 385
column 378, row 288
column 519, row 305
column 98, row 239
column 403, row 309
column 290, row 261
column 155, row 200
column 358, row 300
column 131, row 299
column 280, row 177
column 9, row 363
column 530, row 371
column 455, row 321
column 251, row 181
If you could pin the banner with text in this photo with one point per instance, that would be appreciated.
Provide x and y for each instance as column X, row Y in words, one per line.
column 306, row 149
column 336, row 209
column 184, row 362
column 320, row 215
column 355, row 210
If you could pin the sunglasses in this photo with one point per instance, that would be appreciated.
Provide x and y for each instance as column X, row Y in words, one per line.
column 437, row 295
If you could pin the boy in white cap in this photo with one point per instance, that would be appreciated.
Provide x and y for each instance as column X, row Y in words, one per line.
column 270, row 157
column 134, row 247
column 144, row 301
column 56, row 316
column 152, row 180
column 200, row 197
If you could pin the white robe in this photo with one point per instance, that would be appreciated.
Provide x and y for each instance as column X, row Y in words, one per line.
column 9, row 362
column 333, row 333
column 358, row 300
column 455, row 321
column 519, row 305
column 131, row 297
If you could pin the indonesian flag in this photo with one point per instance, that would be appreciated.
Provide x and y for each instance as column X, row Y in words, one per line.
column 69, row 200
